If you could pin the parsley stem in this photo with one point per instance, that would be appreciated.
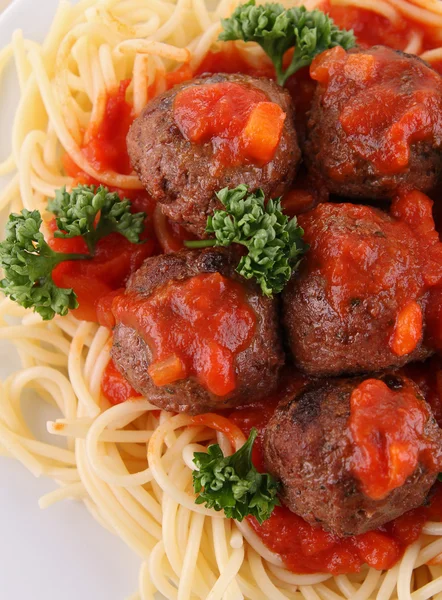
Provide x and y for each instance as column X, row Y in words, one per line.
column 199, row 243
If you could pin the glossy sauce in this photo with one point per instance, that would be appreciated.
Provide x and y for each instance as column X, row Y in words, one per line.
column 382, row 112
column 308, row 549
column 194, row 328
column 386, row 450
column 239, row 120
column 104, row 142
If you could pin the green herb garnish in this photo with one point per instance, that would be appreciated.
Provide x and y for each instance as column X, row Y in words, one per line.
column 274, row 242
column 232, row 484
column 28, row 261
column 277, row 30
column 76, row 215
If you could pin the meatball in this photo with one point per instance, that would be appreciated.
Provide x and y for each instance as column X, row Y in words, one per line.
column 375, row 124
column 256, row 352
column 183, row 176
column 335, row 449
column 358, row 301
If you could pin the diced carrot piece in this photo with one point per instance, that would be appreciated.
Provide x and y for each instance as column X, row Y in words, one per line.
column 408, row 329
column 167, row 371
column 360, row 67
column 263, row 131
column 324, row 62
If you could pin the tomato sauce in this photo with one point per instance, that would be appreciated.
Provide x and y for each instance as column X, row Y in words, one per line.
column 357, row 85
column 115, row 387
column 94, row 281
column 380, row 468
column 212, row 322
column 371, row 28
column 308, row 549
column 114, row 261
column 104, row 143
column 240, row 121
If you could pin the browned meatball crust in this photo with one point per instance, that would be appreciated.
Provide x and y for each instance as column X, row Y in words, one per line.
column 307, row 445
column 340, row 309
column 257, row 367
column 344, row 158
column 183, row 177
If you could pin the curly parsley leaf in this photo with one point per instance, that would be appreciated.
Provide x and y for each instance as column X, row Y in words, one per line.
column 232, row 484
column 93, row 213
column 28, row 261
column 274, row 242
column 277, row 30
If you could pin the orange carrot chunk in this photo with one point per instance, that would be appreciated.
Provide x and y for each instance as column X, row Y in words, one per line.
column 167, row 371
column 408, row 329
column 263, row 131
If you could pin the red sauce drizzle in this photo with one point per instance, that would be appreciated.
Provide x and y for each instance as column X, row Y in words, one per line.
column 212, row 322
column 104, row 143
column 308, row 549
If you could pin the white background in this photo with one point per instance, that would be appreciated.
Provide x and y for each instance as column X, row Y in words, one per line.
column 59, row 553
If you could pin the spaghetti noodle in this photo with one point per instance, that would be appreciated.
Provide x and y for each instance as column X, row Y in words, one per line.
column 131, row 464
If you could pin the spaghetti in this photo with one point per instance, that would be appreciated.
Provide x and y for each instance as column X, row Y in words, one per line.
column 131, row 464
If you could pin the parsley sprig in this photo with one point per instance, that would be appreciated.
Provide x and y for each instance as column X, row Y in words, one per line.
column 76, row 215
column 232, row 484
column 28, row 261
column 274, row 242
column 277, row 30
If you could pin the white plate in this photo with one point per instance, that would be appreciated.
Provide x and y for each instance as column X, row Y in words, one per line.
column 60, row 553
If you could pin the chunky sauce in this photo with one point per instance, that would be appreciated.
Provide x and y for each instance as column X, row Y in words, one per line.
column 194, row 328
column 239, row 120
column 382, row 112
column 308, row 549
column 403, row 249
column 386, row 450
